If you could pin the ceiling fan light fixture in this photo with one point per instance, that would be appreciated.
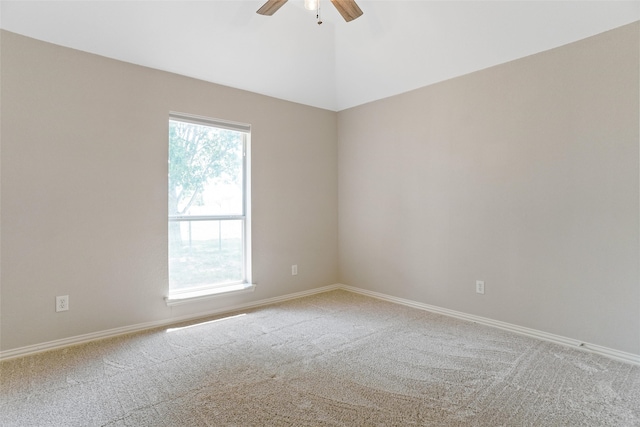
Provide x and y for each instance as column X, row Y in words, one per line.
column 347, row 8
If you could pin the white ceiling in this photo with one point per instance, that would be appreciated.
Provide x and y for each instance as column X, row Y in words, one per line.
column 396, row 46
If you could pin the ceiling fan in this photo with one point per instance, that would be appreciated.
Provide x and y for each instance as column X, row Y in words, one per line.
column 347, row 8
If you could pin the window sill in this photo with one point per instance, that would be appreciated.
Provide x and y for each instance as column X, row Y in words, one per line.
column 187, row 297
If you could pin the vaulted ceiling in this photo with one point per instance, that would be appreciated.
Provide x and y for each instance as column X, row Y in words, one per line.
column 396, row 46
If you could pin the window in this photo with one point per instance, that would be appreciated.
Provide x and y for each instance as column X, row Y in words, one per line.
column 208, row 207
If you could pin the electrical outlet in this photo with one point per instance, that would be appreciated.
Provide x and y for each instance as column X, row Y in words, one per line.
column 480, row 286
column 62, row 303
column 294, row 270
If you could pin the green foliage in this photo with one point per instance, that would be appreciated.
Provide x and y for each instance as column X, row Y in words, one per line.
column 199, row 155
column 205, row 262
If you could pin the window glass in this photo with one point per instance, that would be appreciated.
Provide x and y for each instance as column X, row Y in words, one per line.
column 207, row 205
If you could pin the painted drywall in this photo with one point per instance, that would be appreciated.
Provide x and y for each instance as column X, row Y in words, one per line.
column 524, row 175
column 84, row 199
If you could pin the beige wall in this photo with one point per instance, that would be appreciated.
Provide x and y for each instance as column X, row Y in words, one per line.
column 525, row 175
column 84, row 203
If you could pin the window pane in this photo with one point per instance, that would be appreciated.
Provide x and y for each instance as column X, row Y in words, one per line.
column 207, row 204
column 205, row 170
column 205, row 253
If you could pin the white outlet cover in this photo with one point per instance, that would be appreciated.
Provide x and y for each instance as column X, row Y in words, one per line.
column 62, row 303
column 480, row 286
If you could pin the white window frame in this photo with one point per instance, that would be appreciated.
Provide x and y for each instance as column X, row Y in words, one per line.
column 244, row 285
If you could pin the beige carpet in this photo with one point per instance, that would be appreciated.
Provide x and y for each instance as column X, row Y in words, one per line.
column 333, row 359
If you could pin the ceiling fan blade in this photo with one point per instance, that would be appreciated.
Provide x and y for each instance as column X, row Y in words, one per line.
column 271, row 7
column 348, row 9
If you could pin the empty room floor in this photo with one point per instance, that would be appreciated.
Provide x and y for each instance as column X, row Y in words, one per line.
column 330, row 359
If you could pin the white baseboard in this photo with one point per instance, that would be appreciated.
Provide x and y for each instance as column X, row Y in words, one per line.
column 80, row 339
column 593, row 348
column 109, row 333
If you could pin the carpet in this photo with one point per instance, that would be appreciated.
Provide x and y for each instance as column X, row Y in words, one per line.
column 331, row 359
